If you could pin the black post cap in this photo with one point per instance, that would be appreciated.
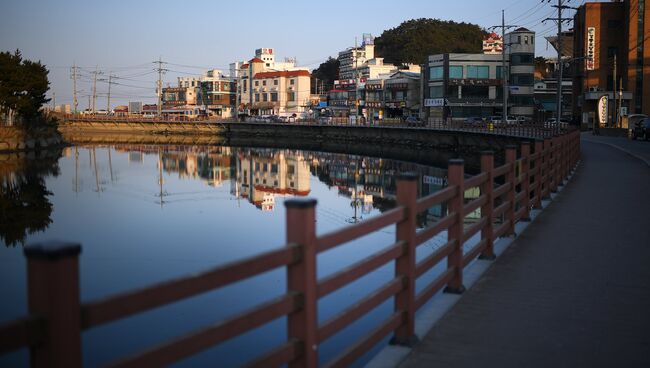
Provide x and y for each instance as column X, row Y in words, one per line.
column 300, row 203
column 487, row 153
column 511, row 146
column 410, row 176
column 52, row 250
column 525, row 143
column 456, row 161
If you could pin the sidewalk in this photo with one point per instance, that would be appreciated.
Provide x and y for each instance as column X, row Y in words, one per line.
column 573, row 290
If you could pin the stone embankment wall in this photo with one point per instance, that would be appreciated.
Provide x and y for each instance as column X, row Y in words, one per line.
column 14, row 139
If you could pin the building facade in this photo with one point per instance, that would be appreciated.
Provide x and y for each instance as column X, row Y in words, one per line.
column 457, row 86
column 611, row 45
column 520, row 52
column 354, row 57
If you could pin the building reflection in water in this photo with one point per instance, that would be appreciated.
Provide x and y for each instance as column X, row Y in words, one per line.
column 261, row 175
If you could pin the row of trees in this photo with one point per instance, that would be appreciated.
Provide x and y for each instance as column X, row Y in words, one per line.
column 413, row 41
column 23, row 85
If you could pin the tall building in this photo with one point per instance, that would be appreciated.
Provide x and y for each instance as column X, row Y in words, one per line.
column 354, row 57
column 520, row 52
column 611, row 47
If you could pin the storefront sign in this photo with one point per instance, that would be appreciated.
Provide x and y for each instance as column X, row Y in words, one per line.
column 373, row 86
column 373, row 104
column 434, row 102
column 441, row 182
column 602, row 110
column 474, row 82
column 591, row 48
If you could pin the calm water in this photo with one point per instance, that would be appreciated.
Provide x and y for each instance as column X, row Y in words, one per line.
column 145, row 214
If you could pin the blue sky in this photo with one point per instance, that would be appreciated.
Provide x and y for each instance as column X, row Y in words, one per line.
column 126, row 37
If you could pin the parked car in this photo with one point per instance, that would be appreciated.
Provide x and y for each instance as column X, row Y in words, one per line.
column 474, row 120
column 642, row 129
column 413, row 121
column 511, row 120
column 496, row 119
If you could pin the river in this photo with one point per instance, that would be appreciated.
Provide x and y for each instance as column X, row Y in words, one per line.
column 148, row 213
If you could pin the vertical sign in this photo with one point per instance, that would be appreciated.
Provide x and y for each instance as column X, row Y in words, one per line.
column 602, row 110
column 591, row 48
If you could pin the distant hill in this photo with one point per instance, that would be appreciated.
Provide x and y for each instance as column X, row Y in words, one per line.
column 414, row 40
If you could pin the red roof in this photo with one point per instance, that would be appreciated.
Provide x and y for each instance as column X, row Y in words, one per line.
column 244, row 66
column 285, row 73
column 255, row 60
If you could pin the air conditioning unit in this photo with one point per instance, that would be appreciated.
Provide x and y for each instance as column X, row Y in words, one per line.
column 593, row 89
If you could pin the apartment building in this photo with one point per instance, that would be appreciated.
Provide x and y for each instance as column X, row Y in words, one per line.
column 612, row 45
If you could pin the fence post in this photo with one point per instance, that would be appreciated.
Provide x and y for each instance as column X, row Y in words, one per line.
column 405, row 265
column 511, row 158
column 301, row 278
column 546, row 153
column 456, row 177
column 53, row 293
column 487, row 166
column 555, row 154
column 539, row 147
column 525, row 184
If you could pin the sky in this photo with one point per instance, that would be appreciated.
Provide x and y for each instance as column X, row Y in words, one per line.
column 125, row 38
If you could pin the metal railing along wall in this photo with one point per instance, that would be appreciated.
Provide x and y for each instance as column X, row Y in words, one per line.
column 52, row 329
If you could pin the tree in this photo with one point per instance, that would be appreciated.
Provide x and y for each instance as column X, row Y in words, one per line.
column 23, row 85
column 414, row 40
column 326, row 73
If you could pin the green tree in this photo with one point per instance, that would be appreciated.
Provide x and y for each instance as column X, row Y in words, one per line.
column 414, row 40
column 326, row 73
column 23, row 85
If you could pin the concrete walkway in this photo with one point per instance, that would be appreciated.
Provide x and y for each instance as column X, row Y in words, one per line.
column 572, row 291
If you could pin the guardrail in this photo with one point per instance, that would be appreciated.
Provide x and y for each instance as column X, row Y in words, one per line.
column 52, row 330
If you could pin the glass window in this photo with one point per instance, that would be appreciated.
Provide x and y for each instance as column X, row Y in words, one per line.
column 478, row 71
column 265, row 97
column 275, row 82
column 257, row 97
column 292, row 81
column 456, row 71
column 436, row 92
column 291, row 96
column 274, row 97
column 257, row 83
column 522, row 59
column 435, row 73
column 521, row 80
column 264, row 83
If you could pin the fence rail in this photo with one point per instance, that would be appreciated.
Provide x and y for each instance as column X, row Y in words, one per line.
column 52, row 330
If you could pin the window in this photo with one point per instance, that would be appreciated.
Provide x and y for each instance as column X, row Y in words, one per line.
column 456, row 71
column 522, row 59
column 521, row 100
column 274, row 169
column 436, row 92
column 475, row 91
column 274, row 97
column 257, row 83
column 435, row 73
column 275, row 82
column 264, row 83
column 292, row 81
column 257, row 97
column 245, row 86
column 291, row 170
column 532, row 40
column 499, row 74
column 478, row 71
column 291, row 96
column 257, row 166
column 526, row 40
column 519, row 39
column 265, row 97
column 521, row 80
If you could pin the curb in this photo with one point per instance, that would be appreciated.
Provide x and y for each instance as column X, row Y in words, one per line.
column 392, row 356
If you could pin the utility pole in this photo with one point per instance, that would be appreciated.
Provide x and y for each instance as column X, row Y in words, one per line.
column 75, row 71
column 95, row 88
column 108, row 100
column 560, row 6
column 505, row 75
column 614, row 84
column 160, row 71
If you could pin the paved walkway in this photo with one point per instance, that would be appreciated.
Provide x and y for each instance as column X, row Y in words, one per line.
column 572, row 291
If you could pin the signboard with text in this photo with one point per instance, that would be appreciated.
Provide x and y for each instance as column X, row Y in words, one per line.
column 591, row 48
column 434, row 102
column 602, row 110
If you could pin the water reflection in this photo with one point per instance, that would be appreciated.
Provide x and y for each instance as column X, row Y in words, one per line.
column 24, row 204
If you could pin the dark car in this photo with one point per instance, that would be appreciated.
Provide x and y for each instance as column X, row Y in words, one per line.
column 642, row 129
column 414, row 121
column 474, row 120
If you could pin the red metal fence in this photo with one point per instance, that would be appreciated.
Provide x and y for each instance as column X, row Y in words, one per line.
column 52, row 331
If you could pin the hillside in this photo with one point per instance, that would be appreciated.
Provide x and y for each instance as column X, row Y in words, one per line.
column 415, row 39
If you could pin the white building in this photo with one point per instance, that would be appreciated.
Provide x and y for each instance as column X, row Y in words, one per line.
column 267, row 87
column 520, row 51
column 354, row 57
